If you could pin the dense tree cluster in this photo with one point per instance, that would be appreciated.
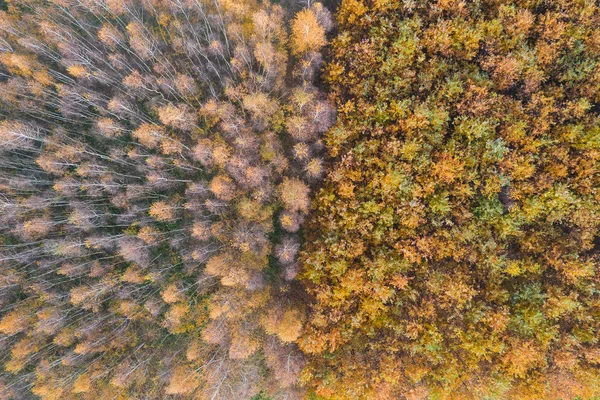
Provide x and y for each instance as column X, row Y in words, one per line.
column 156, row 165
column 158, row 160
column 455, row 244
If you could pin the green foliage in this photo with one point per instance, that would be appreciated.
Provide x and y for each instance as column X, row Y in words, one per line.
column 454, row 249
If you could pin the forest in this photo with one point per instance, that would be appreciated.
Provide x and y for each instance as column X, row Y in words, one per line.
column 300, row 200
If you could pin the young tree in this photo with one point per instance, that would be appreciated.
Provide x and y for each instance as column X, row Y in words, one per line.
column 307, row 33
column 294, row 195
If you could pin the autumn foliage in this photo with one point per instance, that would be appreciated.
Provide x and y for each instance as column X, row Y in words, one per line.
column 191, row 207
column 156, row 163
column 454, row 249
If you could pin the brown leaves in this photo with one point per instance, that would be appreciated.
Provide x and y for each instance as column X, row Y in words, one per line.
column 183, row 381
column 177, row 116
column 163, row 211
column 223, row 187
column 294, row 195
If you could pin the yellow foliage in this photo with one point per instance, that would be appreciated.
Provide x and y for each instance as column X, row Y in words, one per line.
column 78, row 71
column 82, row 384
column 14, row 322
column 307, row 33
column 242, row 346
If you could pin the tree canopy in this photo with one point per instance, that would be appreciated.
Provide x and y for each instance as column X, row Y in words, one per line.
column 156, row 162
column 454, row 248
